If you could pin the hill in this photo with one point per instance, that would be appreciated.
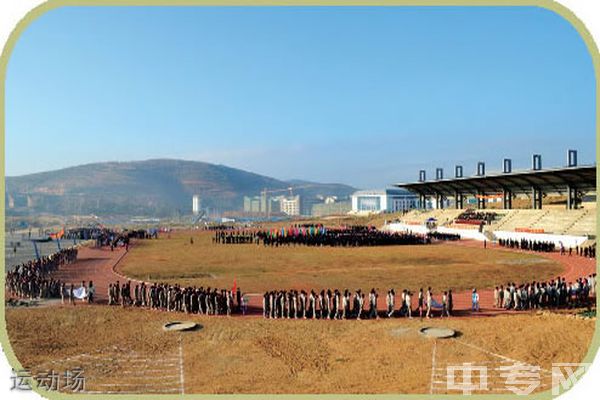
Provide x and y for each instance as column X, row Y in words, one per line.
column 153, row 187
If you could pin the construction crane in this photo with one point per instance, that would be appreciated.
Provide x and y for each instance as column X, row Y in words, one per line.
column 290, row 189
column 197, row 218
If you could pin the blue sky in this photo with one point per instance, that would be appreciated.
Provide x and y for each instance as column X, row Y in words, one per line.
column 364, row 96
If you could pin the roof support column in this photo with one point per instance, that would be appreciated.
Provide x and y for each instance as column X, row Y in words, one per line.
column 481, row 201
column 458, row 200
column 507, row 199
column 572, row 199
column 422, row 202
column 439, row 201
column 536, row 198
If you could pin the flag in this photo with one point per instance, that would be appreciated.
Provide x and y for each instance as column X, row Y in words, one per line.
column 58, row 235
column 234, row 286
column 80, row 293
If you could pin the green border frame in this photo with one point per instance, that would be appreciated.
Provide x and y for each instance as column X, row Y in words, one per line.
column 22, row 25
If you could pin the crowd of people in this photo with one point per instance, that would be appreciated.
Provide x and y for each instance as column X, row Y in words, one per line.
column 444, row 236
column 335, row 304
column 163, row 296
column 476, row 217
column 326, row 304
column 110, row 238
column 318, row 235
column 526, row 244
column 33, row 279
column 218, row 227
column 556, row 293
column 582, row 251
column 548, row 247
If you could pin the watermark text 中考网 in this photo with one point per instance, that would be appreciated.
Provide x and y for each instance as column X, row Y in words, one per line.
column 511, row 377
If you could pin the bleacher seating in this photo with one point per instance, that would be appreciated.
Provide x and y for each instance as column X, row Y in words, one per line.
column 556, row 221
column 519, row 219
column 550, row 220
column 584, row 225
column 443, row 216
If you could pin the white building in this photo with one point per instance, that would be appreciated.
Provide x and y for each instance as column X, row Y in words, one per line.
column 196, row 204
column 290, row 205
column 330, row 199
column 384, row 200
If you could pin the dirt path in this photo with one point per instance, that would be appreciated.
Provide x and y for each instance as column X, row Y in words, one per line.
column 99, row 265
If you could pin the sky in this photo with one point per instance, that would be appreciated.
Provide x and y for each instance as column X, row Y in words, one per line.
column 365, row 96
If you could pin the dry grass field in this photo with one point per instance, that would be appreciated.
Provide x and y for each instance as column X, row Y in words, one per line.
column 252, row 355
column 257, row 268
column 127, row 351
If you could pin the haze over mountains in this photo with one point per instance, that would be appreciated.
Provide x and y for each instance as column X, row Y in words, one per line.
column 161, row 187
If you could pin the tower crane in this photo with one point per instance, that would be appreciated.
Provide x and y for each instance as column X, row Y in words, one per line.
column 289, row 189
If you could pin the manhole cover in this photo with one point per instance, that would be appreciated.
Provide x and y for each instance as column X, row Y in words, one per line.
column 438, row 333
column 179, row 326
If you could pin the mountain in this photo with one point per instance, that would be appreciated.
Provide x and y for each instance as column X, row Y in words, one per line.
column 161, row 187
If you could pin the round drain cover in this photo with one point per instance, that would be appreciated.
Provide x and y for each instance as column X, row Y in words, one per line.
column 438, row 333
column 179, row 326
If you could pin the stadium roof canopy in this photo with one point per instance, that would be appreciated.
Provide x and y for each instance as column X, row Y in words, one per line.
column 552, row 180
column 391, row 191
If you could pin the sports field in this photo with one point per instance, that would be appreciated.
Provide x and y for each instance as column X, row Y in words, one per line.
column 125, row 350
column 257, row 268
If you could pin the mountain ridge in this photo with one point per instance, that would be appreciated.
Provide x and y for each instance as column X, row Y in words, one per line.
column 161, row 186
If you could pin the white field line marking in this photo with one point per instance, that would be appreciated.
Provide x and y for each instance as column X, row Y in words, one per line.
column 147, row 371
column 130, row 392
column 72, row 358
column 433, row 367
column 136, row 365
column 496, row 355
column 143, row 377
column 181, row 381
column 131, row 384
column 137, row 360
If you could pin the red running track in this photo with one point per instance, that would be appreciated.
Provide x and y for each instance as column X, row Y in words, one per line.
column 99, row 265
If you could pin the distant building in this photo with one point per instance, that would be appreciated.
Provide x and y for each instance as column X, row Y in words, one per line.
column 290, row 205
column 253, row 204
column 384, row 200
column 330, row 199
column 263, row 205
column 274, row 205
column 307, row 204
column 196, row 204
column 331, row 208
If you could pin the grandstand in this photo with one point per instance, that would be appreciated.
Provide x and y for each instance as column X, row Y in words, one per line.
column 442, row 216
column 571, row 225
column 585, row 224
column 572, row 181
column 560, row 222
column 521, row 219
column 561, row 226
